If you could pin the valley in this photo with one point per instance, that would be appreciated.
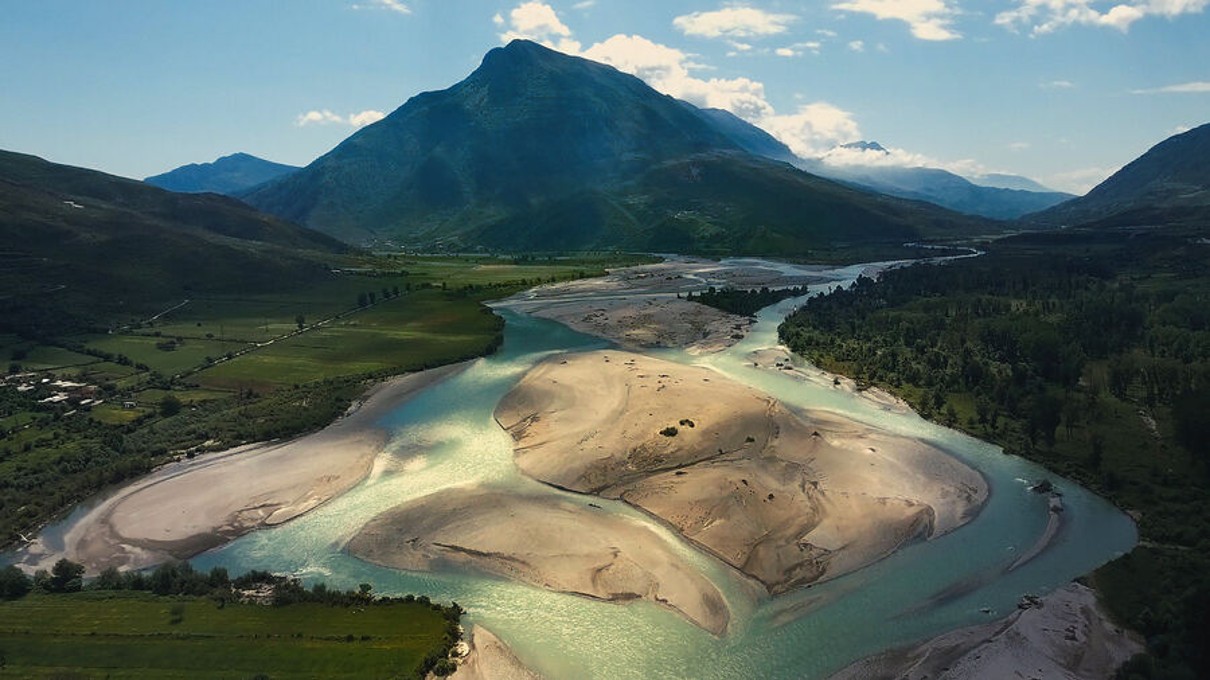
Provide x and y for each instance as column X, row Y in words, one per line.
column 613, row 349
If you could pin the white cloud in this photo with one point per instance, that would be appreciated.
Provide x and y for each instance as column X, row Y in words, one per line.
column 318, row 117
column 365, row 118
column 1197, row 87
column 327, row 117
column 538, row 21
column 585, row 4
column 733, row 22
column 928, row 19
column 1057, row 85
column 1018, row 146
column 668, row 70
column 826, row 33
column 1047, row 16
column 814, row 129
column 391, row 5
column 857, row 45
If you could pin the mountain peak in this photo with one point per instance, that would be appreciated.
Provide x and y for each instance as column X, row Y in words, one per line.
column 228, row 175
column 866, row 146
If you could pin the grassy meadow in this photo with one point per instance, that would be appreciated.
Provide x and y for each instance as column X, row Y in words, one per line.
column 140, row 635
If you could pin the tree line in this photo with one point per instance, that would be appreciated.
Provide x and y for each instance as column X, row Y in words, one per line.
column 1090, row 356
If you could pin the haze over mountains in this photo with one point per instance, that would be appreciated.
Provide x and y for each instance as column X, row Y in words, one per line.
column 537, row 150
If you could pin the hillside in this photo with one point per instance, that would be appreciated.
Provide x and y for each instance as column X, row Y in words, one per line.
column 942, row 188
column 1170, row 183
column 81, row 246
column 538, row 150
column 228, row 175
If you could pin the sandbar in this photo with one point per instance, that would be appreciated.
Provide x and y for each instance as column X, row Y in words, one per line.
column 188, row 507
column 543, row 540
column 1066, row 635
column 786, row 498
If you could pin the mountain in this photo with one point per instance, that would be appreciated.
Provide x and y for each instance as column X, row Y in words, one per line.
column 1170, row 182
column 81, row 247
column 746, row 135
column 537, row 150
column 998, row 180
column 936, row 186
column 228, row 175
column 942, row 188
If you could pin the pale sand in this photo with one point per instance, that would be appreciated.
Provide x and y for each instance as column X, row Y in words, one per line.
column 1068, row 637
column 637, row 307
column 544, row 541
column 786, row 500
column 490, row 659
column 780, row 359
column 186, row 508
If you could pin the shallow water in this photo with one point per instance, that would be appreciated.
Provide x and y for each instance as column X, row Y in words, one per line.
column 446, row 436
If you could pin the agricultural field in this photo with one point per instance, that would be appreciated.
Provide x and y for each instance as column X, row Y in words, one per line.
column 140, row 635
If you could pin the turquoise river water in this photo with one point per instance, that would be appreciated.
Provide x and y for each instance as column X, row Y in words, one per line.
column 446, row 436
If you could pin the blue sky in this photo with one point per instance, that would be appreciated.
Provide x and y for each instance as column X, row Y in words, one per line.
column 1064, row 91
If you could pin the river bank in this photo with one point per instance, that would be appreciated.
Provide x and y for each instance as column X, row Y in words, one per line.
column 188, row 507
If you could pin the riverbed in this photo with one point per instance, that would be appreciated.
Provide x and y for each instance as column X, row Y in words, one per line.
column 445, row 436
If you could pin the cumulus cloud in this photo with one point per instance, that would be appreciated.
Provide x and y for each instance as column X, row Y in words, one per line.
column 1057, row 85
column 365, row 118
column 327, row 117
column 813, row 129
column 538, row 21
column 857, row 45
column 1196, row 87
column 928, row 19
column 668, row 70
column 733, row 22
column 1048, row 16
column 390, row 5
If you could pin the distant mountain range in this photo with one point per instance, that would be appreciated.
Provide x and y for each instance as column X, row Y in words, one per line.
column 538, row 150
column 1002, row 197
column 1168, row 184
column 228, row 175
column 81, row 246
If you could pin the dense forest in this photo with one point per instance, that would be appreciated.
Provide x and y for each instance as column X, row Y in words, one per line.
column 744, row 302
column 1086, row 352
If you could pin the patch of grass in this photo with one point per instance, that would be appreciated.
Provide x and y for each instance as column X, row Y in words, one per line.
column 426, row 328
column 131, row 635
column 145, row 349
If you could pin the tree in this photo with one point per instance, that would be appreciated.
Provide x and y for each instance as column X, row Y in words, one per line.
column 13, row 583
column 170, row 406
column 362, row 299
column 66, row 577
column 300, row 321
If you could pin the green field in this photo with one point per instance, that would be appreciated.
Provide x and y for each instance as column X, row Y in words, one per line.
column 139, row 635
column 425, row 328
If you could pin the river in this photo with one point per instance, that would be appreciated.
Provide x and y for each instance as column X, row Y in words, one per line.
column 446, row 436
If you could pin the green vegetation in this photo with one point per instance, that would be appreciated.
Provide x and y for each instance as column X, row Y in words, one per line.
column 1088, row 352
column 175, row 622
column 221, row 370
column 744, row 302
